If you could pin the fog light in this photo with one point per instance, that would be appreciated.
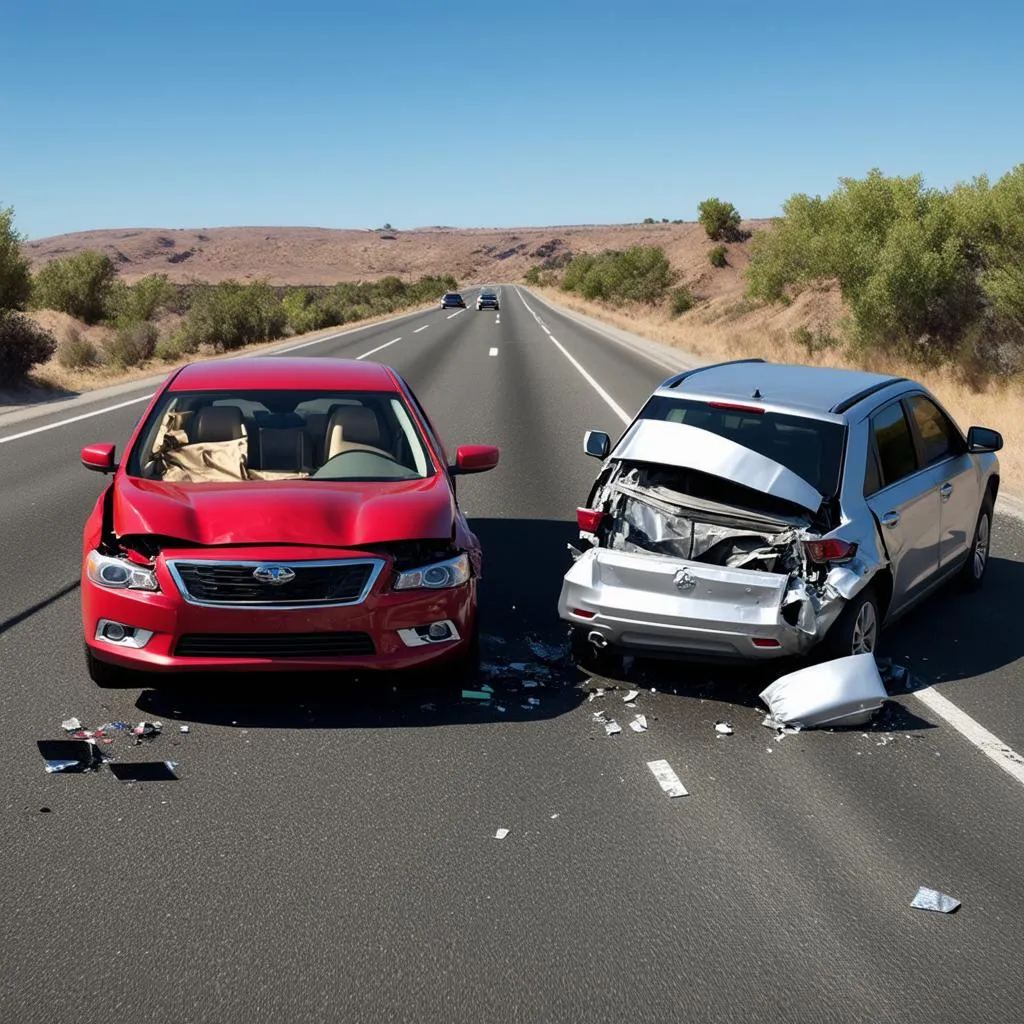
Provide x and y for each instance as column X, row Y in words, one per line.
column 123, row 636
column 441, row 632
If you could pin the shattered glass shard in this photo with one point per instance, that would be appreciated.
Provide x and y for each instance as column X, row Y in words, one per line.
column 932, row 899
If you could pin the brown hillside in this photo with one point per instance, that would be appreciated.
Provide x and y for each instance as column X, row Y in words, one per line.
column 326, row 256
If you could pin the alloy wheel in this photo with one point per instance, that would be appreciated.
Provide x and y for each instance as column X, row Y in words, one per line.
column 865, row 629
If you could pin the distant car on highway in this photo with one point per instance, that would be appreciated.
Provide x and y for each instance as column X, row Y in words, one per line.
column 754, row 510
column 281, row 513
column 487, row 300
column 450, row 299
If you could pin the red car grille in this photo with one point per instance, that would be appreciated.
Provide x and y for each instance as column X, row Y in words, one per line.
column 311, row 583
column 275, row 645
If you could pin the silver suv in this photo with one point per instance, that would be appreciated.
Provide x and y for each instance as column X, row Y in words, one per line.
column 753, row 510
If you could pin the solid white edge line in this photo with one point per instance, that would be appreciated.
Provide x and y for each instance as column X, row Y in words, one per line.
column 366, row 355
column 988, row 743
column 75, row 419
column 612, row 404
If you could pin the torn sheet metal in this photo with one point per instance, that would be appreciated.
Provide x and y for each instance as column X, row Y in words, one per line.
column 612, row 728
column 667, row 778
column 632, row 695
column 677, row 444
column 846, row 691
column 639, row 724
column 932, row 899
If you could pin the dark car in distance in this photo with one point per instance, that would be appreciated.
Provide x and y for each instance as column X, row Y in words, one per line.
column 487, row 300
column 452, row 299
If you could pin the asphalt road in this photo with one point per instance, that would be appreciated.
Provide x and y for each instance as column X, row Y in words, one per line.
column 328, row 851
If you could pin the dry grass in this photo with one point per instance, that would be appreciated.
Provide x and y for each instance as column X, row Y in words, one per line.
column 727, row 328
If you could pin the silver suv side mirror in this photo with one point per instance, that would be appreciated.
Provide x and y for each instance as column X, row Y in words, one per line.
column 597, row 444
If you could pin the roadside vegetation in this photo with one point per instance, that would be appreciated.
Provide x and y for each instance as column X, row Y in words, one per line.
column 935, row 275
column 155, row 321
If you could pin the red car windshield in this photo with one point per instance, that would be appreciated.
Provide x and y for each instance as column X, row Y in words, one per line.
column 231, row 436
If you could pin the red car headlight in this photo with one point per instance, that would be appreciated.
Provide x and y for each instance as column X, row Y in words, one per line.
column 440, row 576
column 118, row 574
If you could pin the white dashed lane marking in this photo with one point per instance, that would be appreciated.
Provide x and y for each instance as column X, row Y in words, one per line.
column 366, row 355
column 423, row 328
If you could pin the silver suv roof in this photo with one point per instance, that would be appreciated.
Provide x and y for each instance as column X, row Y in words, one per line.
column 816, row 389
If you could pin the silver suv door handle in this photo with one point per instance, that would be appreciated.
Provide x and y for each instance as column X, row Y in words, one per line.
column 946, row 490
column 891, row 519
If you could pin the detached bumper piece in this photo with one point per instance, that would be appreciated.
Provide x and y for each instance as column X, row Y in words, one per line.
column 275, row 645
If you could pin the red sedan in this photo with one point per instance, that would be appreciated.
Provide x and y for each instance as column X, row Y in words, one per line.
column 280, row 513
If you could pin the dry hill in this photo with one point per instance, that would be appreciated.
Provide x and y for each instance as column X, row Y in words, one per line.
column 326, row 256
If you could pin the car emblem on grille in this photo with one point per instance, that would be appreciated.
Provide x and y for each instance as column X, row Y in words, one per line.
column 684, row 581
column 275, row 575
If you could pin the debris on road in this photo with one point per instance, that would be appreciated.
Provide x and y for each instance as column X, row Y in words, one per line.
column 639, row 724
column 667, row 778
column 530, row 684
column 147, row 731
column 71, row 725
column 632, row 695
column 843, row 692
column 533, row 702
column 723, row 728
column 892, row 673
column 932, row 899
column 476, row 695
column 501, row 833
column 612, row 728
column 145, row 771
column 69, row 755
column 183, row 728
column 546, row 652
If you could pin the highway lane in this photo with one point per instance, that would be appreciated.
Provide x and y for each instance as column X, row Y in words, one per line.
column 331, row 854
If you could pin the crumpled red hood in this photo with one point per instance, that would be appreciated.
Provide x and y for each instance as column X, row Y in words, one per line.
column 327, row 514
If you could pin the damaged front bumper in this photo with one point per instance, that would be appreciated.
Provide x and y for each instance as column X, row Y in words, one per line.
column 660, row 605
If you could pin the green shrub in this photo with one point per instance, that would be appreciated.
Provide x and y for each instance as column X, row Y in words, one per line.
column 132, row 345
column 231, row 315
column 15, row 278
column 721, row 220
column 813, row 342
column 75, row 352
column 78, row 285
column 650, row 220
column 682, row 300
column 173, row 348
column 640, row 274
column 23, row 344
column 128, row 304
column 718, row 257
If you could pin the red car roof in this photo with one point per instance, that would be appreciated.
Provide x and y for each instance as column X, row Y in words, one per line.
column 283, row 373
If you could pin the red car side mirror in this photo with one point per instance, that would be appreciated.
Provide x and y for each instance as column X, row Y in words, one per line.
column 475, row 458
column 99, row 457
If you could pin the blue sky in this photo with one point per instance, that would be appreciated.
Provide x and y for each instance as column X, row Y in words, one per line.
column 130, row 114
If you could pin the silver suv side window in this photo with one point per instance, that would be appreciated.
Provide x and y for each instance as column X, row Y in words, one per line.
column 939, row 438
column 897, row 456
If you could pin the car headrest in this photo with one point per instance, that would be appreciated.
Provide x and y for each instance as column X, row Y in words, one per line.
column 352, row 423
column 217, row 423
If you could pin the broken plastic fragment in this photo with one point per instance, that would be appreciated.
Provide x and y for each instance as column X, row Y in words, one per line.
column 612, row 728
column 69, row 755
column 487, row 688
column 147, row 730
column 476, row 695
column 146, row 771
column 546, row 652
column 501, row 833
column 723, row 728
column 639, row 724
column 667, row 778
column 932, row 899
column 530, row 684
column 183, row 728
column 533, row 701
column 632, row 695
column 847, row 691
column 71, row 724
